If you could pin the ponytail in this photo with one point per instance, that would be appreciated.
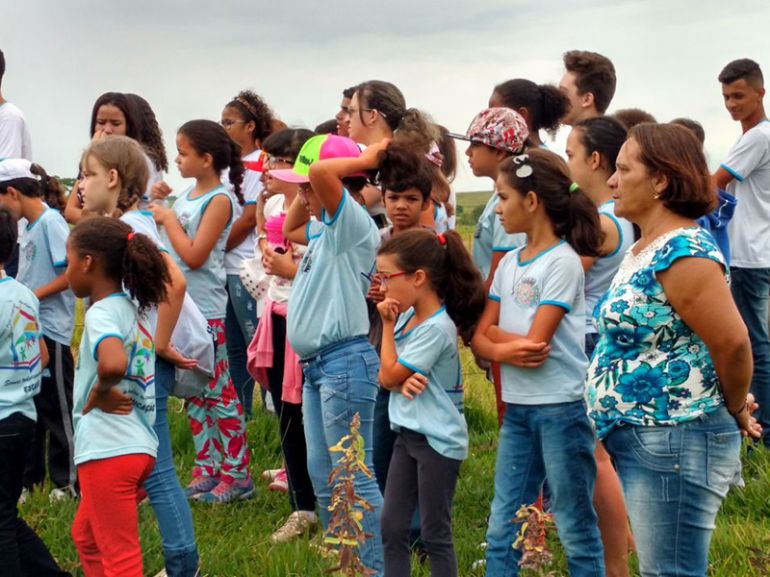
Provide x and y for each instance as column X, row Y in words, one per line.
column 51, row 190
column 545, row 103
column 46, row 188
column 449, row 268
column 235, row 174
column 129, row 258
column 208, row 137
column 572, row 214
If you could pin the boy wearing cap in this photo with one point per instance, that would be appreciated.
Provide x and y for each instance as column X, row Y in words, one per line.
column 327, row 321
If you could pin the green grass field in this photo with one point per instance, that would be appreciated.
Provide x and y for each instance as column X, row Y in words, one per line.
column 234, row 539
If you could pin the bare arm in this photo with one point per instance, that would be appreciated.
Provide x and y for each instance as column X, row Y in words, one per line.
column 722, row 178
column 493, row 344
column 73, row 212
column 195, row 251
column 295, row 225
column 242, row 227
column 722, row 329
column 56, row 286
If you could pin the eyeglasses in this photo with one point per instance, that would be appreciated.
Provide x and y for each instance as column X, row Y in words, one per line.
column 524, row 169
column 273, row 160
column 228, row 122
column 385, row 278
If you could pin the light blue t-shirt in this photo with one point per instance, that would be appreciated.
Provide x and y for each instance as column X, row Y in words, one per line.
column 206, row 284
column 490, row 236
column 142, row 221
column 554, row 277
column 20, row 362
column 328, row 298
column 430, row 349
column 43, row 258
column 100, row 435
column 599, row 276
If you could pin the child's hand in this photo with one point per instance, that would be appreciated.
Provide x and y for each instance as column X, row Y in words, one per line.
column 375, row 294
column 176, row 358
column 414, row 386
column 371, row 155
column 112, row 401
column 388, row 310
column 279, row 264
column 160, row 213
column 749, row 425
column 526, row 354
column 160, row 190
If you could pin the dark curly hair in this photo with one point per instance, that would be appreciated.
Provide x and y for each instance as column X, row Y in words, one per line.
column 150, row 134
column 401, row 169
column 129, row 258
column 450, row 270
column 252, row 108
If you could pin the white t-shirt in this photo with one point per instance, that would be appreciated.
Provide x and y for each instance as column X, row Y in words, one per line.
column 749, row 230
column 14, row 135
column 251, row 189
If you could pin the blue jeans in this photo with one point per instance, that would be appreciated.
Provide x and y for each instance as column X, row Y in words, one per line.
column 166, row 496
column 751, row 291
column 674, row 480
column 538, row 442
column 340, row 381
column 240, row 326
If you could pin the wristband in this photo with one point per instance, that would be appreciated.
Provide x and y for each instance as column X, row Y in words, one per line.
column 744, row 406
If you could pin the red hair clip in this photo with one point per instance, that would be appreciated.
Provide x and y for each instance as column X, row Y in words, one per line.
column 131, row 235
column 441, row 239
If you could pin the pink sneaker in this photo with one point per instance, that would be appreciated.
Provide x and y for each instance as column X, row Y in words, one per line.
column 280, row 482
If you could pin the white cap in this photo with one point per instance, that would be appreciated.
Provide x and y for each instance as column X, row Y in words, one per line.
column 13, row 168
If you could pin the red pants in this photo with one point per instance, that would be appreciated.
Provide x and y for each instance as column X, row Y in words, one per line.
column 106, row 527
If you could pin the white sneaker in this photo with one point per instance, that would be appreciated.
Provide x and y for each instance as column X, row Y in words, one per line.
column 298, row 524
column 62, row 494
column 23, row 496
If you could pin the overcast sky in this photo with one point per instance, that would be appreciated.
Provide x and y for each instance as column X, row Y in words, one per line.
column 189, row 58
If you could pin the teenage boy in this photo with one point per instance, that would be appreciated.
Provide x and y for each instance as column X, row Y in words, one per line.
column 746, row 174
column 589, row 84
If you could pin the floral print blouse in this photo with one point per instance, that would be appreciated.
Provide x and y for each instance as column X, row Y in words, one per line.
column 649, row 367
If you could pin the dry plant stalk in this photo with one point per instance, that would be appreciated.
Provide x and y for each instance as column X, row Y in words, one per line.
column 345, row 532
column 531, row 539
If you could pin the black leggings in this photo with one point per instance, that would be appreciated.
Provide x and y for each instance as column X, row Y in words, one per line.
column 293, row 446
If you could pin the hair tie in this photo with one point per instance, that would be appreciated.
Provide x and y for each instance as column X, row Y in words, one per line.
column 441, row 239
column 131, row 235
column 573, row 188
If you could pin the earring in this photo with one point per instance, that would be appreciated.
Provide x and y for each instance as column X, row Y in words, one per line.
column 656, row 195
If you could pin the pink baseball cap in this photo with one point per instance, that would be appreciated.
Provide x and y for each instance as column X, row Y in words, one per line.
column 501, row 128
column 320, row 147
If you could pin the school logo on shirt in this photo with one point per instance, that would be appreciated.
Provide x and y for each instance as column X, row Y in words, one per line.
column 526, row 292
column 141, row 370
column 25, row 349
column 30, row 251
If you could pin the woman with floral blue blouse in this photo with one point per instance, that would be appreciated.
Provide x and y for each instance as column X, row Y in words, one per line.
column 667, row 386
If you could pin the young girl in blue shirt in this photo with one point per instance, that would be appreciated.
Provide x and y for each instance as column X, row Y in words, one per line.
column 197, row 229
column 114, row 397
column 432, row 290
column 533, row 324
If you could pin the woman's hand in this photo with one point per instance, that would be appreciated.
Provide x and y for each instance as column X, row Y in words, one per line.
column 414, row 385
column 279, row 264
column 160, row 190
column 746, row 423
column 370, row 156
column 388, row 310
column 112, row 401
column 176, row 358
